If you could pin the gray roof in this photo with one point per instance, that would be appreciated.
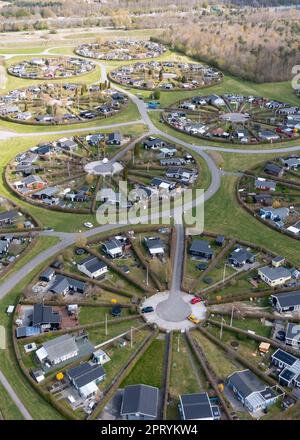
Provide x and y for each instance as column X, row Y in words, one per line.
column 92, row 264
column 246, row 382
column 241, row 255
column 59, row 347
column 62, row 282
column 85, row 373
column 9, row 215
column 283, row 356
column 292, row 331
column 47, row 272
column 154, row 243
column 112, row 244
column 50, row 191
column 265, row 184
column 288, row 299
column 273, row 273
column 44, row 315
column 140, row 399
column 202, row 246
column 196, row 406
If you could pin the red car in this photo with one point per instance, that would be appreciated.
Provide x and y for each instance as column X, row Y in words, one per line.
column 196, row 300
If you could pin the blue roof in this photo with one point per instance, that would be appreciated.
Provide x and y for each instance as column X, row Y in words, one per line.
column 285, row 357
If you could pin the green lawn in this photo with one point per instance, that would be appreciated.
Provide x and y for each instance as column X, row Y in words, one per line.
column 225, row 216
column 58, row 220
column 42, row 244
column 222, row 365
column 8, row 409
column 183, row 379
column 149, row 369
column 34, row 403
column 14, row 82
column 88, row 315
column 129, row 114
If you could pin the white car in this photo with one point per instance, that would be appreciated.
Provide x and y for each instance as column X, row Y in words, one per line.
column 88, row 225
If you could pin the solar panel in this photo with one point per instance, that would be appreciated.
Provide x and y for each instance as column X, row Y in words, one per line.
column 285, row 357
column 32, row 331
column 287, row 375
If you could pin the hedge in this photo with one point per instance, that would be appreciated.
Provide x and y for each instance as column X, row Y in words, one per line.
column 167, row 374
column 123, row 373
column 114, row 267
column 256, row 337
column 209, row 372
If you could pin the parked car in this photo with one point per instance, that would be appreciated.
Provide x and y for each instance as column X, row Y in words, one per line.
column 280, row 335
column 147, row 309
column 196, row 300
column 88, row 225
column 193, row 319
column 116, row 311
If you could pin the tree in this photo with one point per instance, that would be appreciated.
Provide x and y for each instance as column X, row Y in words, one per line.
column 81, row 240
column 156, row 94
column 20, row 226
column 89, row 179
column 137, row 150
column 276, row 204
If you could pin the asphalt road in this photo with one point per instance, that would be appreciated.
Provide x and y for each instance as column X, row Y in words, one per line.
column 175, row 297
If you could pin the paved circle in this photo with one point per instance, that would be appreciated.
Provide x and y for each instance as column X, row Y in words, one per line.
column 235, row 117
column 103, row 168
column 171, row 313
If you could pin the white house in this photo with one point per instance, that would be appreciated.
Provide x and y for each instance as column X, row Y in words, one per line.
column 92, row 267
column 274, row 276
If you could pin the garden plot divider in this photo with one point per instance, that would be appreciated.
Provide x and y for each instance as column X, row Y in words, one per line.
column 167, row 373
column 209, row 372
column 94, row 282
column 241, row 359
column 123, row 373
column 145, row 264
column 255, row 336
column 114, row 267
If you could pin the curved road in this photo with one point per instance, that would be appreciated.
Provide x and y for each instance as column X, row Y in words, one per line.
column 67, row 239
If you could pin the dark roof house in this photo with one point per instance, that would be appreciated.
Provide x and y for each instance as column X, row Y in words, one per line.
column 140, row 402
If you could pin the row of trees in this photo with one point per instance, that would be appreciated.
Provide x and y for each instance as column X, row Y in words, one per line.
column 259, row 48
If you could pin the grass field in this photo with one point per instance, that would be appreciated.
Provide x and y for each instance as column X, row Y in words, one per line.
column 58, row 220
column 221, row 365
column 8, row 410
column 149, row 369
column 34, row 403
column 225, row 216
column 89, row 315
column 42, row 244
column 129, row 114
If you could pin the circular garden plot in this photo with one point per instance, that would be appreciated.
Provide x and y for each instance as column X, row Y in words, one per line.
column 121, row 50
column 236, row 119
column 64, row 103
column 166, row 75
column 107, row 290
column 68, row 174
column 271, row 192
column 51, row 68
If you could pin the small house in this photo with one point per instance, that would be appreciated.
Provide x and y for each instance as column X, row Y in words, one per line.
column 197, row 407
column 155, row 246
column 201, row 249
column 251, row 391
column 92, row 267
column 274, row 276
column 140, row 402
